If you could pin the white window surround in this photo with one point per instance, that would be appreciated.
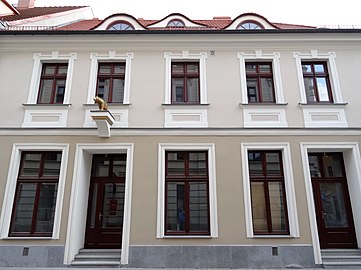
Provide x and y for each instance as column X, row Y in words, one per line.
column 111, row 56
column 44, row 115
column 352, row 161
column 185, row 117
column 330, row 58
column 289, row 186
column 324, row 116
column 120, row 18
column 259, row 56
column 264, row 116
column 185, row 56
column 10, row 189
column 79, row 199
column 162, row 148
column 165, row 22
column 39, row 59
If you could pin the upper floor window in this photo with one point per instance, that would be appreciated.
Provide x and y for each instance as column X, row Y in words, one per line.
column 268, row 196
column 260, row 87
column 249, row 26
column 187, row 193
column 110, row 83
column 36, row 194
column 317, row 82
column 185, row 82
column 52, row 83
column 176, row 23
column 120, row 26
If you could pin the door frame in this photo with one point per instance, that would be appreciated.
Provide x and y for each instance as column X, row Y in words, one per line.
column 352, row 160
column 80, row 192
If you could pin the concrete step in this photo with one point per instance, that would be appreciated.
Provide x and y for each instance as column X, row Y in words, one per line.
column 342, row 265
column 97, row 258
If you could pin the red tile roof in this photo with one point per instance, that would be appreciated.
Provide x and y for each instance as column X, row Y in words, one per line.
column 81, row 25
column 36, row 12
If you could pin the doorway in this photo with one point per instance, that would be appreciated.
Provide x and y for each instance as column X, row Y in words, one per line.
column 332, row 201
column 106, row 202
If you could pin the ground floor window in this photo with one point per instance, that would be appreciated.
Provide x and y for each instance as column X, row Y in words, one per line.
column 36, row 193
column 268, row 196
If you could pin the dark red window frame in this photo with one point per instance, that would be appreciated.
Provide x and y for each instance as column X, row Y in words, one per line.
column 187, row 179
column 185, row 75
column 259, row 75
column 38, row 180
column 266, row 178
column 313, row 74
column 54, row 99
column 111, row 77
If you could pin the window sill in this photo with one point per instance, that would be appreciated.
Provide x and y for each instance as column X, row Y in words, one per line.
column 262, row 104
column 321, row 104
column 272, row 237
column 27, row 238
column 46, row 105
column 187, row 237
column 175, row 105
column 109, row 105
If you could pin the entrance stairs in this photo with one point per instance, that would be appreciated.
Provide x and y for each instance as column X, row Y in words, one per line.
column 97, row 258
column 341, row 258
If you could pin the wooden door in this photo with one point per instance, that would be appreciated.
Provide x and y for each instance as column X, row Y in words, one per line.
column 106, row 202
column 332, row 201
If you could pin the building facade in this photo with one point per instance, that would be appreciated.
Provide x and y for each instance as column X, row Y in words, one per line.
column 226, row 143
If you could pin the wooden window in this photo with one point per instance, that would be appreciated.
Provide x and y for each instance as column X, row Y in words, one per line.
column 186, row 193
column 52, row 83
column 269, row 209
column 185, row 82
column 317, row 82
column 110, row 83
column 36, row 193
column 260, row 87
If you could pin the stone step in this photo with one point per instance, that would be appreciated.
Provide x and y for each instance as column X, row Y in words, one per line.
column 97, row 258
column 341, row 258
column 342, row 265
column 95, row 264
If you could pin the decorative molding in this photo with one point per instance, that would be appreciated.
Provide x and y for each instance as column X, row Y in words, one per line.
column 120, row 116
column 259, row 55
column 162, row 148
column 324, row 117
column 45, row 116
column 79, row 197
column 289, row 185
column 103, row 119
column 186, row 117
column 185, row 56
column 352, row 161
column 264, row 118
column 10, row 188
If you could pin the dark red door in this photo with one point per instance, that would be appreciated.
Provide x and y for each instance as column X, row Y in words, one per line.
column 332, row 201
column 106, row 202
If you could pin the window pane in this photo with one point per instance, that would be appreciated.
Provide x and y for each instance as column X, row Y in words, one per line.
column 104, row 69
column 273, row 164
column 177, row 68
column 118, row 90
column 62, row 70
column 192, row 68
column 119, row 69
column 46, row 89
column 322, row 89
column 259, row 213
column 265, row 68
column 198, row 207
column 103, row 89
column 267, row 89
column 48, row 70
column 251, row 68
column 52, row 164
column 177, row 90
column 60, row 89
column 197, row 164
column 192, row 90
column 333, row 165
column 31, row 164
column 278, row 212
column 24, row 208
column 306, row 68
column 176, row 164
column 319, row 68
column 310, row 90
column 119, row 167
column 102, row 168
column 176, row 215
column 314, row 166
column 113, row 205
column 255, row 163
column 333, row 205
column 46, row 208
column 252, row 89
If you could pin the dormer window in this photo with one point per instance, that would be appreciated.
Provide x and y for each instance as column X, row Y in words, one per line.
column 176, row 23
column 120, row 26
column 249, row 25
